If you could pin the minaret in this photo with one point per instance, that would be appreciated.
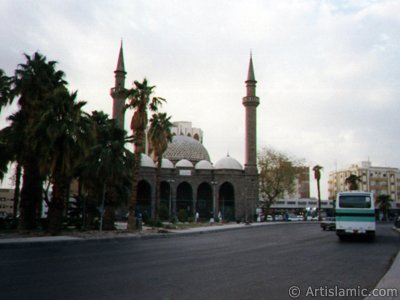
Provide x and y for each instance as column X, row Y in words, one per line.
column 117, row 92
column 250, row 102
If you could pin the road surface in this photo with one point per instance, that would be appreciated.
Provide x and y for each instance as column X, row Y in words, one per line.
column 253, row 263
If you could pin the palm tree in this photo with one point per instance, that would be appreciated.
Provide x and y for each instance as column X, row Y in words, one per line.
column 6, row 156
column 139, row 99
column 352, row 182
column 10, row 142
column 383, row 203
column 63, row 138
column 109, row 165
column 317, row 175
column 5, row 89
column 160, row 135
column 10, row 139
column 32, row 83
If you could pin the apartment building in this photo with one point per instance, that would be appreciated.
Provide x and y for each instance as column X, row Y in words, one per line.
column 379, row 180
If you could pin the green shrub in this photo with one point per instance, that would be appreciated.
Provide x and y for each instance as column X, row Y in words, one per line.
column 163, row 212
column 154, row 223
column 229, row 215
column 182, row 215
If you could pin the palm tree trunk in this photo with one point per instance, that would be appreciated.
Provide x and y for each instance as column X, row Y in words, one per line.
column 139, row 149
column 31, row 195
column 57, row 205
column 157, row 203
column 17, row 190
column 319, row 200
column 109, row 208
column 133, row 198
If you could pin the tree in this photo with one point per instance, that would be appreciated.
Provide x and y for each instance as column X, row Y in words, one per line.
column 384, row 204
column 317, row 175
column 352, row 182
column 62, row 137
column 12, row 151
column 160, row 135
column 5, row 89
column 109, row 165
column 32, row 83
column 139, row 99
column 10, row 139
column 277, row 175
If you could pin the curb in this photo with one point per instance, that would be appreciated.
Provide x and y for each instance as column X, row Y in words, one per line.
column 390, row 281
column 12, row 243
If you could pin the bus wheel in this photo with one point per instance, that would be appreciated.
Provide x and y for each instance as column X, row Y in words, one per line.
column 371, row 236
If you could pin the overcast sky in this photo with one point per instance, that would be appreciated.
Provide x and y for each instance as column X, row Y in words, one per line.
column 328, row 71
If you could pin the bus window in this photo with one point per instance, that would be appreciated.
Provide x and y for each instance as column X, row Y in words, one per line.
column 350, row 201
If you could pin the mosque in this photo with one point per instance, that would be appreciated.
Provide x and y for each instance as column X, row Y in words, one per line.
column 190, row 181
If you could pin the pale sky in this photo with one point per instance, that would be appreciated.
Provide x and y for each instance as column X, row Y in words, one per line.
column 328, row 71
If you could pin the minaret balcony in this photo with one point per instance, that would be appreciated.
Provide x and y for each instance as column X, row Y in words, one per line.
column 118, row 91
column 251, row 101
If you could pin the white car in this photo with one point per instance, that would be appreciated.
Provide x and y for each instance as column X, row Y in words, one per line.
column 293, row 217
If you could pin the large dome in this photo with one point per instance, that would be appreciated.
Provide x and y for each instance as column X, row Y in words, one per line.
column 184, row 147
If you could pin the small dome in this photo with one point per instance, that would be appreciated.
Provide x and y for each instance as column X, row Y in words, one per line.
column 184, row 163
column 166, row 164
column 184, row 147
column 228, row 163
column 146, row 161
column 203, row 165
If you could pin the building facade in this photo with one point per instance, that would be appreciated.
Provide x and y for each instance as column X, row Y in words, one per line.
column 379, row 180
column 190, row 181
column 6, row 202
column 185, row 128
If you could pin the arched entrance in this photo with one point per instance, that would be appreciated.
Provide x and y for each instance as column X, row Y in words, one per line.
column 184, row 198
column 165, row 201
column 143, row 205
column 204, row 201
column 226, row 201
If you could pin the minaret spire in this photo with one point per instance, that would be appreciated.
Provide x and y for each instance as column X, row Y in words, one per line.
column 120, row 63
column 250, row 73
column 117, row 92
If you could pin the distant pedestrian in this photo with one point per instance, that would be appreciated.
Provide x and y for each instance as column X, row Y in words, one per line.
column 211, row 218
column 220, row 216
column 196, row 217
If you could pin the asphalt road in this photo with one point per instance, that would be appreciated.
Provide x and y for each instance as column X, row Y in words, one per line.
column 252, row 263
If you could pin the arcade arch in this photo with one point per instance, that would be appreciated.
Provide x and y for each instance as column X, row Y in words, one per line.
column 226, row 201
column 184, row 198
column 143, row 205
column 204, row 203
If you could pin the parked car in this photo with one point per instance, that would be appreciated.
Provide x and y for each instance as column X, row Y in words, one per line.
column 328, row 223
column 397, row 222
column 293, row 217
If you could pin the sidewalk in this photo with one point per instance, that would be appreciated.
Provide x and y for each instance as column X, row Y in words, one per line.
column 390, row 282
column 147, row 232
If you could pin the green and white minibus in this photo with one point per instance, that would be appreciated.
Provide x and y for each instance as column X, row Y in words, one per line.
column 355, row 214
